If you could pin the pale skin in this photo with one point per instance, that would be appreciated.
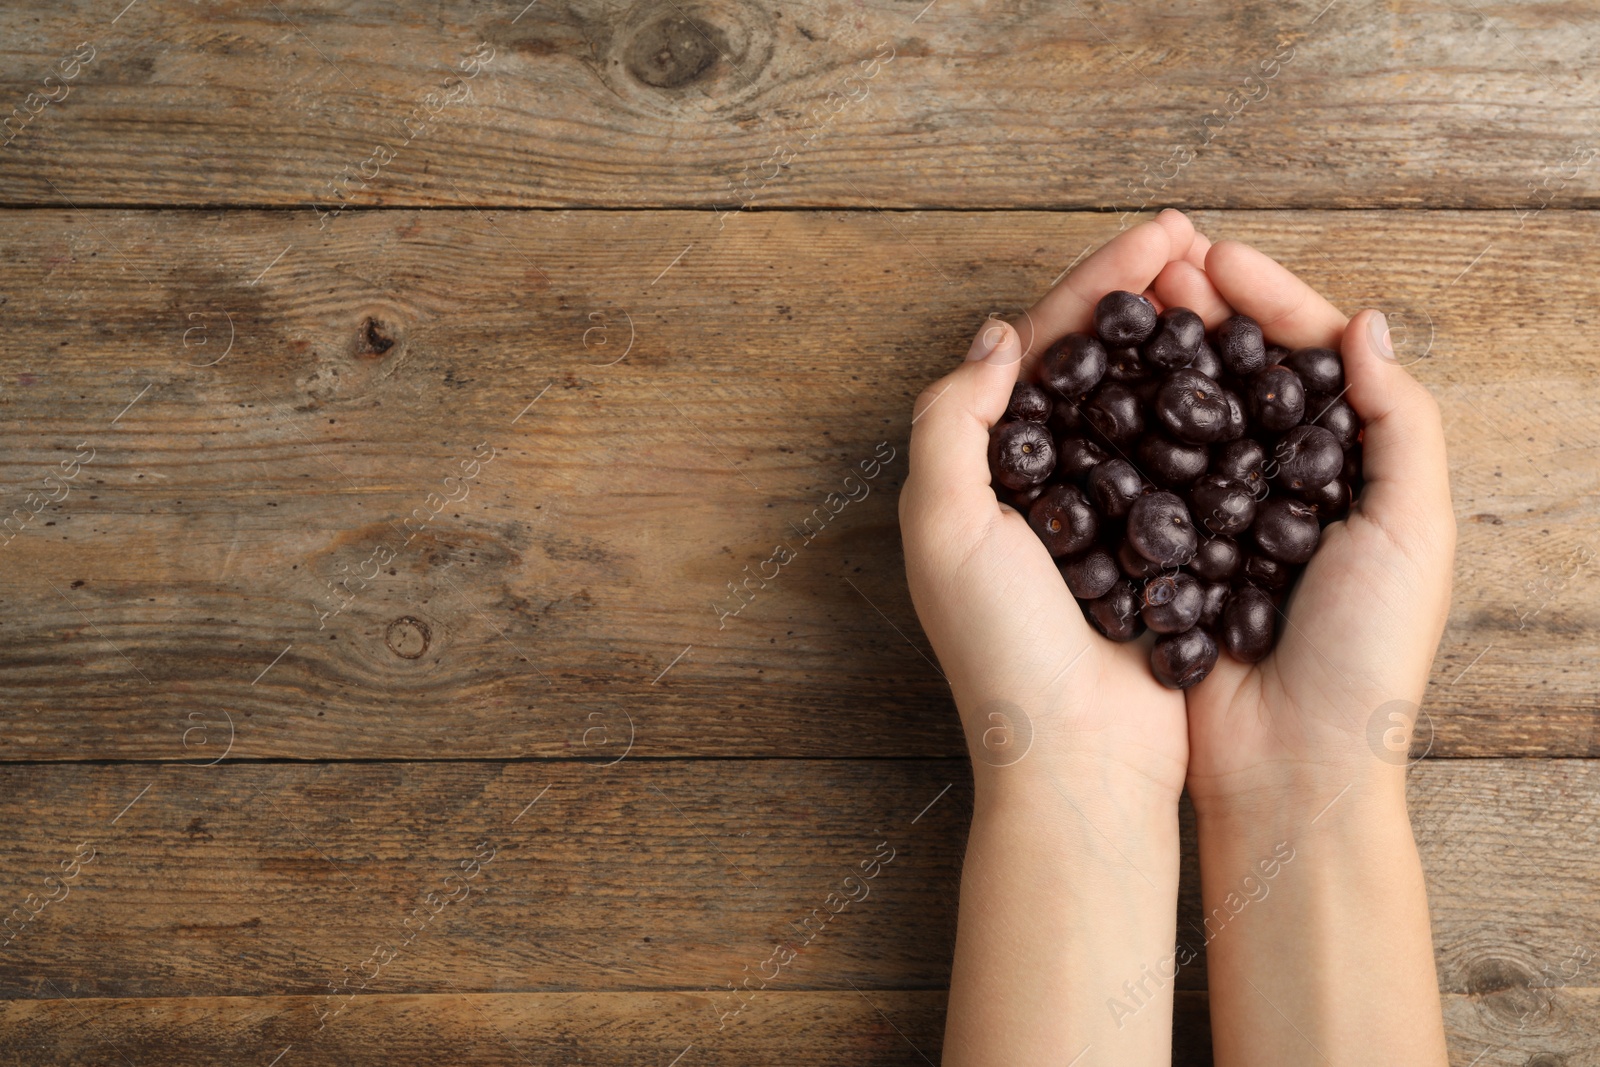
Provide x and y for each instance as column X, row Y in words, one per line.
column 1069, row 888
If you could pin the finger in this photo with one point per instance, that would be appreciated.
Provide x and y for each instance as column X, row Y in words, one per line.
column 1180, row 232
column 1403, row 461
column 1182, row 284
column 1198, row 249
column 949, row 465
column 1130, row 261
column 1290, row 312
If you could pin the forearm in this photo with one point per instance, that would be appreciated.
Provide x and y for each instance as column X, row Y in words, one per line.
column 1069, row 890
column 1316, row 923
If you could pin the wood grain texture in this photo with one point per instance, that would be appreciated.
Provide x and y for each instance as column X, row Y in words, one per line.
column 702, row 103
column 574, row 598
column 222, row 902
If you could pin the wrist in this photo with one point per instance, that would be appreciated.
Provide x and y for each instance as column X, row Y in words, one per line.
column 1297, row 791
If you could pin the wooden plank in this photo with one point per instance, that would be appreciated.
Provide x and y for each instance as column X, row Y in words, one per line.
column 220, row 904
column 514, row 1029
column 576, row 596
column 873, row 104
column 671, row 875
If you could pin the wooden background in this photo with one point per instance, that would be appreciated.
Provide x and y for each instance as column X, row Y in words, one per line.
column 259, row 399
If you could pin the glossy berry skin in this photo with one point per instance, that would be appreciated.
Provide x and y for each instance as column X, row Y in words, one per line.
column 1243, row 461
column 1277, row 400
column 1115, row 413
column 1170, row 463
column 1076, row 457
column 1180, row 661
column 1116, row 614
column 1063, row 520
column 1307, row 457
column 1028, row 403
column 1335, row 416
column 1207, row 362
column 1022, row 499
column 1113, row 487
column 1171, row 603
column 1238, row 422
column 1320, row 369
column 1135, row 566
column 1266, row 572
column 1213, row 597
column 1090, row 575
column 1276, row 354
column 1216, row 559
column 1021, row 454
column 1126, row 366
column 1073, row 366
column 1192, row 407
column 1160, row 530
column 1222, row 505
column 1241, row 346
column 1331, row 502
column 1249, row 623
column 1285, row 529
column 1176, row 341
column 1122, row 318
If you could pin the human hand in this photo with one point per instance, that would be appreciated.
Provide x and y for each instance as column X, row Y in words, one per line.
column 1028, row 672
column 1362, row 625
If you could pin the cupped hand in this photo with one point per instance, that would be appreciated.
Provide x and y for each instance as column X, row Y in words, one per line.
column 1038, row 689
column 1357, row 638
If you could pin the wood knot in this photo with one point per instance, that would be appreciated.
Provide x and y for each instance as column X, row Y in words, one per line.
column 1546, row 1059
column 673, row 51
column 373, row 339
column 1507, row 990
column 408, row 637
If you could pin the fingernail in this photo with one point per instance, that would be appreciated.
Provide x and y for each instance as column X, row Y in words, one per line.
column 1378, row 327
column 990, row 334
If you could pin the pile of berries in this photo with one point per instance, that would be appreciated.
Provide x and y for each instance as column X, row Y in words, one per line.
column 1180, row 482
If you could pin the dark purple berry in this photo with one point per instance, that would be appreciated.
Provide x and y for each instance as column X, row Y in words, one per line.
column 1063, row 520
column 1216, row 559
column 1238, row 424
column 1277, row 399
column 1160, row 530
column 1276, row 354
column 1114, row 412
column 1266, row 572
column 1178, row 337
column 1090, row 575
column 1171, row 603
column 1207, row 362
column 1331, row 502
column 1320, row 369
column 1125, row 366
column 1249, row 621
column 1134, row 565
column 1028, row 403
column 1113, row 486
column 1243, row 461
column 1116, row 614
column 1076, row 457
column 1335, row 416
column 1285, row 529
column 1172, row 463
column 1022, row 499
column 1073, row 366
column 1122, row 318
column 1192, row 407
column 1021, row 454
column 1214, row 596
column 1180, row 661
column 1222, row 505
column 1241, row 346
column 1307, row 457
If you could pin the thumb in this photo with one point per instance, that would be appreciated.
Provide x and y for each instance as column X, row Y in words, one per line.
column 949, row 465
column 1407, row 482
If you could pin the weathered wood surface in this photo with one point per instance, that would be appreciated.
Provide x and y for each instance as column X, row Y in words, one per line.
column 221, row 902
column 573, row 599
column 695, row 103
